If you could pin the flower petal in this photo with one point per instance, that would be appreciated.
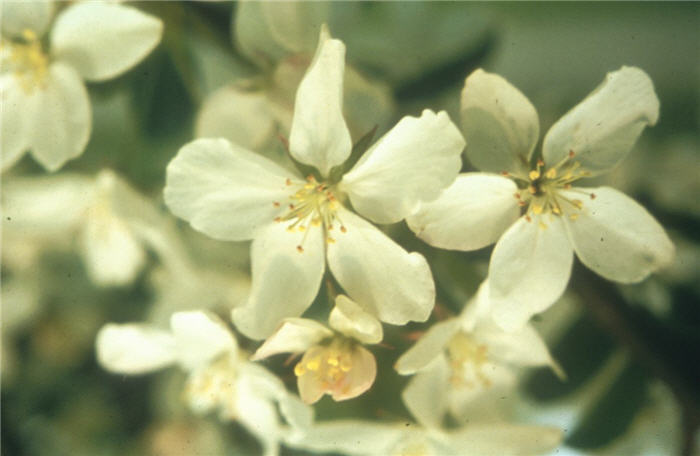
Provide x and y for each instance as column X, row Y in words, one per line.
column 505, row 439
column 349, row 437
column 351, row 320
column 134, row 348
column 285, row 281
column 319, row 135
column 61, row 120
column 294, row 335
column 223, row 190
column 243, row 117
column 499, row 123
column 618, row 239
column 19, row 16
column 602, row 129
column 529, row 270
column 470, row 214
column 16, row 119
column 112, row 253
column 200, row 337
column 425, row 395
column 379, row 275
column 428, row 347
column 361, row 375
column 413, row 162
column 102, row 40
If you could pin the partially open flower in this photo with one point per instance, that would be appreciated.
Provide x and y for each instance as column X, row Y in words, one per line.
column 334, row 361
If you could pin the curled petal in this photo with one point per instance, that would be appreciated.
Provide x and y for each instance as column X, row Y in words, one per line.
column 602, row 129
column 351, row 320
column 294, row 335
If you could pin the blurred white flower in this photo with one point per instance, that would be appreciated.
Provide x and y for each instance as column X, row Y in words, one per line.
column 469, row 361
column 44, row 102
column 230, row 193
column 334, row 361
column 220, row 377
column 531, row 263
column 280, row 39
column 112, row 222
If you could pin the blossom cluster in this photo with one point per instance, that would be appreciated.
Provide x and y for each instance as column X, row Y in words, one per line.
column 326, row 278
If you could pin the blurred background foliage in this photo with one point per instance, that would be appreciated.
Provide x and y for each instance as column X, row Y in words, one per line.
column 632, row 353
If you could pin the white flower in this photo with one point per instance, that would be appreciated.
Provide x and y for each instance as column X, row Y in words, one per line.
column 45, row 105
column 334, row 362
column 112, row 222
column 469, row 362
column 531, row 263
column 230, row 193
column 220, row 378
column 427, row 437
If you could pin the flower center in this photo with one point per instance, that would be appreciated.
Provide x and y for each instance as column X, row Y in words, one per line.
column 313, row 204
column 214, row 386
column 542, row 192
column 329, row 365
column 28, row 61
column 467, row 360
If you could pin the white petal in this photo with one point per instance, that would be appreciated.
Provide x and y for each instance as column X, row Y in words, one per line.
column 480, row 392
column 425, row 395
column 499, row 123
column 522, row 347
column 617, row 238
column 16, row 120
column 428, row 347
column 200, row 338
column 505, row 439
column 112, row 253
column 349, row 437
column 413, row 162
column 319, row 136
column 258, row 414
column 602, row 129
column 47, row 205
column 103, row 40
column 349, row 319
column 267, row 32
column 379, row 275
column 18, row 16
column 294, row 335
column 243, row 117
column 62, row 118
column 529, row 270
column 134, row 348
column 470, row 214
column 285, row 281
column 224, row 190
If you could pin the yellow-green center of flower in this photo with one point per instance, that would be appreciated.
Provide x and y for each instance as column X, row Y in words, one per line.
column 329, row 364
column 311, row 205
column 467, row 360
column 542, row 189
column 27, row 61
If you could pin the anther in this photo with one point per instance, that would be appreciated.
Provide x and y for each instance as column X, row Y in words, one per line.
column 540, row 162
column 592, row 196
column 528, row 218
column 522, row 203
column 288, row 181
column 505, row 173
column 573, row 216
column 534, row 174
column 343, row 229
column 551, row 173
column 516, row 195
column 571, row 153
column 278, row 219
column 300, row 249
column 276, row 204
column 543, row 226
column 532, row 189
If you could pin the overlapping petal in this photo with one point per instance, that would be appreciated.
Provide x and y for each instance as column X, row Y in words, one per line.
column 428, row 347
column 529, row 270
column 425, row 396
column 379, row 275
column 470, row 214
column 134, row 348
column 348, row 318
column 602, row 129
column 505, row 439
column 319, row 136
column 102, row 40
column 200, row 338
column 499, row 123
column 285, row 281
column 16, row 120
column 413, row 162
column 61, row 117
column 617, row 238
column 18, row 16
column 224, row 190
column 294, row 335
